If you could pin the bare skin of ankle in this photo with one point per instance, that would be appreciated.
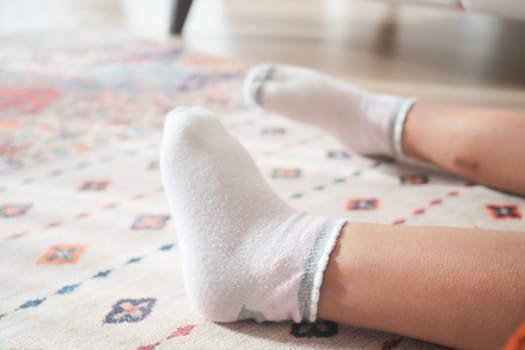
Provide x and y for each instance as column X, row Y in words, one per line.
column 457, row 287
column 484, row 145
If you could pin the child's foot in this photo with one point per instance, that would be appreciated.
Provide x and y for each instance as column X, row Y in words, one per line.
column 245, row 253
column 368, row 123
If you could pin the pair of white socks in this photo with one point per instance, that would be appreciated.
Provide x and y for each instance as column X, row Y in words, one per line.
column 245, row 253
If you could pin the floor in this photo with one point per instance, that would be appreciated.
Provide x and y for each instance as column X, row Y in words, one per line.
column 432, row 53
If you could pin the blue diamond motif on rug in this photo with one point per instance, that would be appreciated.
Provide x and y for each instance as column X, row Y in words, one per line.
column 130, row 310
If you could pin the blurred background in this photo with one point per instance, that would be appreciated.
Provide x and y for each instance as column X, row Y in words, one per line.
column 437, row 52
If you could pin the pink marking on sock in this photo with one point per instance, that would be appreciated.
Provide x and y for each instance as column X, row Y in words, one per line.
column 110, row 205
column 307, row 235
column 275, row 265
column 83, row 215
column 453, row 193
column 385, row 124
column 294, row 315
column 289, row 281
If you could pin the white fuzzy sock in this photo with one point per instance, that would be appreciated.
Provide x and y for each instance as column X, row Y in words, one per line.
column 245, row 253
column 368, row 123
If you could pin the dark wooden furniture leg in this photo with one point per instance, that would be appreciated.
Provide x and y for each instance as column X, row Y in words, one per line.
column 178, row 15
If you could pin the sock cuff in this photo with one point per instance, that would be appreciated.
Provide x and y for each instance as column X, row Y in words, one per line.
column 253, row 82
column 398, row 126
column 315, row 266
column 397, row 136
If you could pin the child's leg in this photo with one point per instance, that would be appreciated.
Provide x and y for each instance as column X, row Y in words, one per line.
column 485, row 145
column 462, row 288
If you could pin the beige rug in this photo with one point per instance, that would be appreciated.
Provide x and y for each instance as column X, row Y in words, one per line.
column 89, row 256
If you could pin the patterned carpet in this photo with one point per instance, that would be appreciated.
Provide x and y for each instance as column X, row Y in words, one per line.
column 89, row 254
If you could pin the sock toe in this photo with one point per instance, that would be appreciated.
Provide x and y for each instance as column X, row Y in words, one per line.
column 183, row 123
column 181, row 118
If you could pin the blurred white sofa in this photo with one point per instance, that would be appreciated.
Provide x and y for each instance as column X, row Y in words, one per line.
column 503, row 8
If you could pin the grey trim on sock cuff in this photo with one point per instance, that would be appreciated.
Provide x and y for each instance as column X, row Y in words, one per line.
column 252, row 91
column 397, row 136
column 315, row 266
column 397, row 127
